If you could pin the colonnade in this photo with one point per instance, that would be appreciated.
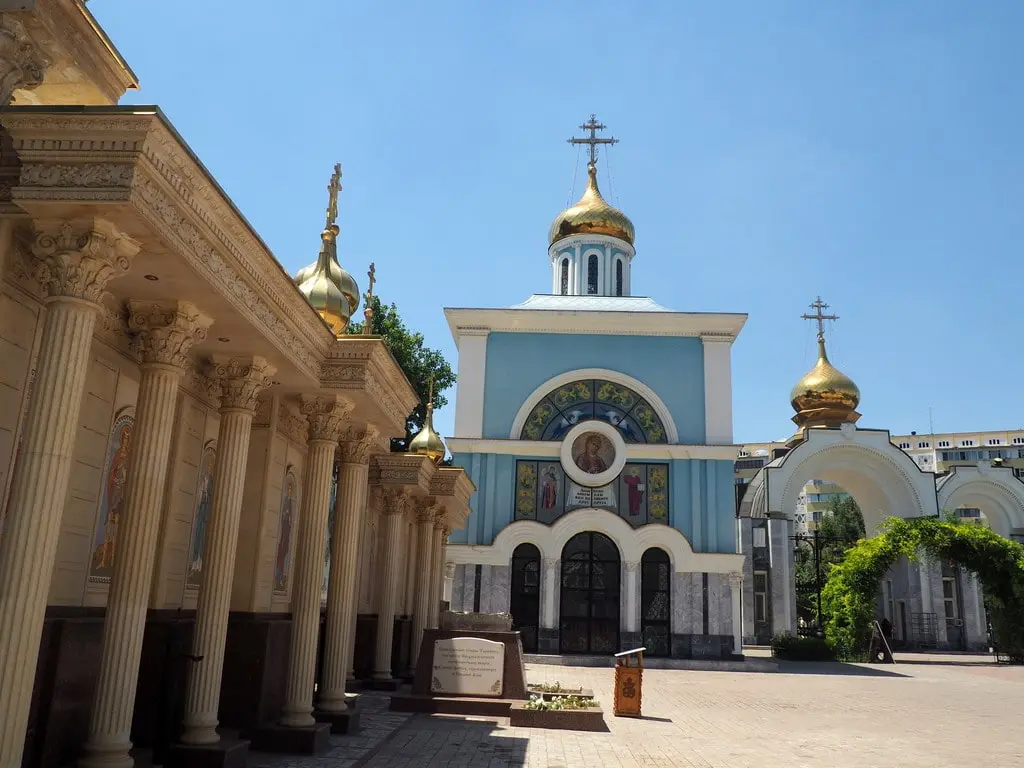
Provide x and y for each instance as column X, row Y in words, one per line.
column 74, row 263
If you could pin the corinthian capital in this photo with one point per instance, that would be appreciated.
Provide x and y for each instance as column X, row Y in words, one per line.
column 241, row 380
column 326, row 415
column 394, row 502
column 426, row 509
column 166, row 330
column 78, row 259
column 22, row 64
column 356, row 444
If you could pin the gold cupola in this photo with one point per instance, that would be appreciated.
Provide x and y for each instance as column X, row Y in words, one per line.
column 427, row 442
column 825, row 396
column 331, row 291
column 592, row 215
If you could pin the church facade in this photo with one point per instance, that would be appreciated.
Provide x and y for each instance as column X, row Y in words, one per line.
column 597, row 429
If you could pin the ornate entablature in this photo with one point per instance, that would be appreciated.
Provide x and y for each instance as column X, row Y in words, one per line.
column 570, row 404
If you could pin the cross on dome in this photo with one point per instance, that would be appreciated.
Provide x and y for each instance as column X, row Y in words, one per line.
column 819, row 306
column 592, row 140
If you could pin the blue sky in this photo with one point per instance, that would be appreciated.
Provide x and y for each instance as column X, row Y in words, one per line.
column 869, row 151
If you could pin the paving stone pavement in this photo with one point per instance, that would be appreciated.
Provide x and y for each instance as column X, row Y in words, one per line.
column 954, row 714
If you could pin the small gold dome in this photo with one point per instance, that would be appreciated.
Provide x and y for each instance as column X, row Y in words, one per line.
column 427, row 442
column 825, row 396
column 331, row 290
column 592, row 215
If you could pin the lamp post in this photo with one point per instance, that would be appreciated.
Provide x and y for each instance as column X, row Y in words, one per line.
column 816, row 541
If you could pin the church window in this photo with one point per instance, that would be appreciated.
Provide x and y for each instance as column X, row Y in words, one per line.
column 525, row 602
column 618, row 277
column 655, row 601
column 565, row 277
column 569, row 404
column 592, row 274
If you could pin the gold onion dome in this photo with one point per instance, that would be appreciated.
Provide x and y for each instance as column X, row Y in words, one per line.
column 427, row 442
column 592, row 215
column 331, row 291
column 825, row 396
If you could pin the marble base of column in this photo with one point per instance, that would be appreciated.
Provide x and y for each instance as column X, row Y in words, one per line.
column 226, row 753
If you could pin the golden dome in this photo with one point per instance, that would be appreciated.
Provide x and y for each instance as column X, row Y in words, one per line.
column 592, row 215
column 825, row 396
column 331, row 290
column 427, row 442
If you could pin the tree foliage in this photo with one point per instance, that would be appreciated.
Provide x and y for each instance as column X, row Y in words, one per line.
column 840, row 527
column 419, row 362
column 851, row 593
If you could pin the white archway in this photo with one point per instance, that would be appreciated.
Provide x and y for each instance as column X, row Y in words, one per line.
column 993, row 490
column 883, row 479
column 631, row 542
column 648, row 394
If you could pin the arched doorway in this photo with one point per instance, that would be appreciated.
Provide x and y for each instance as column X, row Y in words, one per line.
column 525, row 603
column 656, row 602
column 589, row 611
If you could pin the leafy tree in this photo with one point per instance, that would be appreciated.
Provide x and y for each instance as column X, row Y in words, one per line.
column 419, row 362
column 843, row 521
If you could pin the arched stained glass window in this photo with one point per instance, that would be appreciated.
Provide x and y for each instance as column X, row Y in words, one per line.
column 565, row 277
column 592, row 273
column 616, row 404
column 618, row 277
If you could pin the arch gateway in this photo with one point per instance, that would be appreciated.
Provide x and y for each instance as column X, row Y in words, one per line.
column 930, row 604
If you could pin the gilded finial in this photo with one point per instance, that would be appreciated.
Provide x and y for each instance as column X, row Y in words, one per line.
column 427, row 442
column 333, row 188
column 368, row 302
column 825, row 396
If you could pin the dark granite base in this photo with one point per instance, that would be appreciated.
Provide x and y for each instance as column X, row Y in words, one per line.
column 389, row 684
column 451, row 705
column 547, row 640
column 590, row 719
column 630, row 640
column 702, row 646
column 340, row 722
column 309, row 740
column 226, row 753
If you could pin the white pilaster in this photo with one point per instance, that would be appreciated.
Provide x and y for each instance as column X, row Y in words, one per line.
column 549, row 577
column 717, row 390
column 632, row 617
column 469, row 390
column 736, row 584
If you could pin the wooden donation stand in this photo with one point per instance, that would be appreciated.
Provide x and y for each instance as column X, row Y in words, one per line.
column 472, row 666
column 629, row 677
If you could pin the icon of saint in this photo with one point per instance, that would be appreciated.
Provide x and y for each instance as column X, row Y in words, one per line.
column 549, row 490
column 589, row 461
column 635, row 484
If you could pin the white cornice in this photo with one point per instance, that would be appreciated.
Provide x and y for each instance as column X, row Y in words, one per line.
column 570, row 243
column 705, row 325
column 547, row 448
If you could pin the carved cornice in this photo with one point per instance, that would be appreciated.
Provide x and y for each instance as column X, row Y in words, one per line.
column 356, row 444
column 241, row 380
column 136, row 158
column 452, row 481
column 165, row 331
column 366, row 364
column 404, row 469
column 76, row 259
column 326, row 415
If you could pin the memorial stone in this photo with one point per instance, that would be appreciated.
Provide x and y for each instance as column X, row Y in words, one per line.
column 468, row 666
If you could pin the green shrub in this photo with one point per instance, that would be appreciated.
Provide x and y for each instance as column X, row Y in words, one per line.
column 789, row 647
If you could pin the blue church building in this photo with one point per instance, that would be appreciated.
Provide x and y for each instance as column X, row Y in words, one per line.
column 597, row 428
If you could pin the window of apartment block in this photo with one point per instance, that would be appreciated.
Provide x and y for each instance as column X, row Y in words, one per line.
column 966, row 443
column 943, row 443
column 1018, row 441
column 995, row 441
column 924, row 445
column 904, row 446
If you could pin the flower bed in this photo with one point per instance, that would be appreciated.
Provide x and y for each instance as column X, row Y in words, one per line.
column 563, row 711
column 549, row 691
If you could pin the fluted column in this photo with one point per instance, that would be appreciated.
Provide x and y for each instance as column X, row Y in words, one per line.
column 374, row 499
column 165, row 334
column 424, row 559
column 326, row 417
column 436, row 576
column 23, row 65
column 393, row 511
column 342, row 596
column 75, row 262
column 241, row 380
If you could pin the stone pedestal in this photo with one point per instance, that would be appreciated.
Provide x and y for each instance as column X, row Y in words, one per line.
column 241, row 380
column 166, row 332
column 227, row 753
column 342, row 599
column 75, row 263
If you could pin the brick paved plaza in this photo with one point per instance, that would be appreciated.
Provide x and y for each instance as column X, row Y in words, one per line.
column 939, row 715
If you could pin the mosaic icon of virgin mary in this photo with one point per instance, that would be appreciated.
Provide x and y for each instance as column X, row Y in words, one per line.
column 593, row 452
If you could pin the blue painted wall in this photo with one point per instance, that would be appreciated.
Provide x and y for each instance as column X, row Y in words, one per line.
column 518, row 363
column 702, row 505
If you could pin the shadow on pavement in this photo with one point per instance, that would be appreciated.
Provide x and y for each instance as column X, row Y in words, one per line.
column 836, row 668
column 448, row 740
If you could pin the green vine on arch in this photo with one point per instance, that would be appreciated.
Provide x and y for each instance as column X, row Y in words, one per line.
column 850, row 596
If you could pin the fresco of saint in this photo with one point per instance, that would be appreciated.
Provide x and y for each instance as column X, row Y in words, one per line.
column 112, row 501
column 204, row 500
column 283, row 559
column 549, row 489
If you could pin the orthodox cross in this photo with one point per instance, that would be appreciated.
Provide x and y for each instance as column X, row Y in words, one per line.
column 819, row 306
column 430, row 392
column 333, row 188
column 368, row 302
column 592, row 140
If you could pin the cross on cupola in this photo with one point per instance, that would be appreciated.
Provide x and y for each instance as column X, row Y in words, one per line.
column 819, row 307
column 592, row 140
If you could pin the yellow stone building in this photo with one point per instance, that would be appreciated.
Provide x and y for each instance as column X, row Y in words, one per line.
column 181, row 435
